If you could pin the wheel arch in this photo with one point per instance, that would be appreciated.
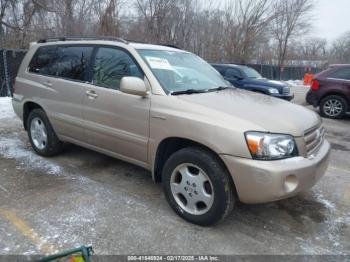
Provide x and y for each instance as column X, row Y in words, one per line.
column 27, row 108
column 170, row 145
column 334, row 93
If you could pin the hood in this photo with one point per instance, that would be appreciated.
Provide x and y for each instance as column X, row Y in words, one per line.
column 266, row 82
column 264, row 113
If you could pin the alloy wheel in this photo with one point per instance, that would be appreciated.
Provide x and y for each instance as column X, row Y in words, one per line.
column 332, row 107
column 38, row 133
column 192, row 189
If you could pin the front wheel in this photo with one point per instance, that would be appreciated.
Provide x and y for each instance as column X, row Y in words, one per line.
column 333, row 106
column 198, row 186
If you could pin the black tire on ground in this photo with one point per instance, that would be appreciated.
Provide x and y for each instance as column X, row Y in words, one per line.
column 53, row 146
column 336, row 98
column 221, row 181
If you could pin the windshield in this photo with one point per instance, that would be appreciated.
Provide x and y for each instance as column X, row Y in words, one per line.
column 179, row 71
column 251, row 73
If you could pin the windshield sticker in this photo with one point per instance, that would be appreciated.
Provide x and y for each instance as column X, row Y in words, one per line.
column 158, row 63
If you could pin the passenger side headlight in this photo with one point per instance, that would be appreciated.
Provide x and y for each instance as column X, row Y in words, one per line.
column 273, row 91
column 267, row 146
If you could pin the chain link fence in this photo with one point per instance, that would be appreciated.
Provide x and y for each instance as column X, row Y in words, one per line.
column 10, row 60
column 286, row 73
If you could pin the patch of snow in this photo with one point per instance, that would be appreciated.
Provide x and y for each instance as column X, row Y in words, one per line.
column 294, row 83
column 321, row 198
column 6, row 110
column 14, row 148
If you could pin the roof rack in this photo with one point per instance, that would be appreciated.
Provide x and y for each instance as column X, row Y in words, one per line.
column 173, row 46
column 141, row 42
column 73, row 38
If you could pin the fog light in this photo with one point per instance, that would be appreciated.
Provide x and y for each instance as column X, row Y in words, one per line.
column 290, row 183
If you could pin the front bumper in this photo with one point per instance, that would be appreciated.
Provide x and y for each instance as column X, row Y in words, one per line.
column 287, row 97
column 265, row 181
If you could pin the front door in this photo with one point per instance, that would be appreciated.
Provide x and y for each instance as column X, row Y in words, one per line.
column 115, row 121
column 234, row 76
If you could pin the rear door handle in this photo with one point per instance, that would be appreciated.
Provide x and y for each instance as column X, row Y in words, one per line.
column 47, row 83
column 91, row 94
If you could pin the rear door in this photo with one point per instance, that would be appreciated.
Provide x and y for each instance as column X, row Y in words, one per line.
column 115, row 121
column 60, row 74
column 340, row 79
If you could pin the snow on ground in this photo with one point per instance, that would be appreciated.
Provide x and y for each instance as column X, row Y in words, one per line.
column 294, row 83
column 14, row 148
column 6, row 110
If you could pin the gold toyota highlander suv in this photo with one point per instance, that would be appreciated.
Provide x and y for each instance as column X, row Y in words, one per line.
column 168, row 111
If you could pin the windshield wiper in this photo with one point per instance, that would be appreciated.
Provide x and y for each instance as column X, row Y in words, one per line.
column 188, row 92
column 220, row 88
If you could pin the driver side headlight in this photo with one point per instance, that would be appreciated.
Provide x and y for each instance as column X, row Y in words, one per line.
column 267, row 146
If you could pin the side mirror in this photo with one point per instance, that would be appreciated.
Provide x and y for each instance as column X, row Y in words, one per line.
column 133, row 85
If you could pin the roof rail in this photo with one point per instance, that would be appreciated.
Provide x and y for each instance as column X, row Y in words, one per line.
column 141, row 42
column 77, row 38
column 173, row 46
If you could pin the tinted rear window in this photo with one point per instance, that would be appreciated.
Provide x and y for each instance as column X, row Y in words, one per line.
column 45, row 61
column 69, row 62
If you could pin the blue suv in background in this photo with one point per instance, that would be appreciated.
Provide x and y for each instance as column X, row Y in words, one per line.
column 247, row 78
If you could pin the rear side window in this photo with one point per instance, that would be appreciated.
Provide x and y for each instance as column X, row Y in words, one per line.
column 45, row 61
column 342, row 73
column 111, row 65
column 74, row 62
column 69, row 62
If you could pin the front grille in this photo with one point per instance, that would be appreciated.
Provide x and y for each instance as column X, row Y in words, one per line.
column 286, row 90
column 313, row 138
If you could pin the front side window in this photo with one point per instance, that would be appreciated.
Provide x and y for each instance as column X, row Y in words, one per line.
column 343, row 73
column 232, row 73
column 74, row 62
column 179, row 71
column 111, row 65
column 251, row 73
column 45, row 61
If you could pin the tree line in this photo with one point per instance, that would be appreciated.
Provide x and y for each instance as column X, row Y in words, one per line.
column 240, row 31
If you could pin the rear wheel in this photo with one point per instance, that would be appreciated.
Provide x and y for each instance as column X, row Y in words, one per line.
column 198, row 186
column 41, row 134
column 333, row 106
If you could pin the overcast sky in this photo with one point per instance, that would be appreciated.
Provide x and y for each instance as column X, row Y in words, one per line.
column 332, row 18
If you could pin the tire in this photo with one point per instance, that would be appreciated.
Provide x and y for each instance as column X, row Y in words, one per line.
column 208, row 180
column 41, row 135
column 333, row 106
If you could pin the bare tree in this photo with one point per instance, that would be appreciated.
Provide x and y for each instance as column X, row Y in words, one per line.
column 246, row 22
column 309, row 49
column 340, row 50
column 154, row 14
column 291, row 19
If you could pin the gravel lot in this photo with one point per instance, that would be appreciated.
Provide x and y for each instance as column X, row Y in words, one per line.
column 82, row 197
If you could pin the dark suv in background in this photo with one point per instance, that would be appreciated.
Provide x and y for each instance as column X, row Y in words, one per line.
column 247, row 78
column 330, row 91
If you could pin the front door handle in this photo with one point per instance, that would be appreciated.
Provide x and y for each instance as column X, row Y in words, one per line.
column 91, row 94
